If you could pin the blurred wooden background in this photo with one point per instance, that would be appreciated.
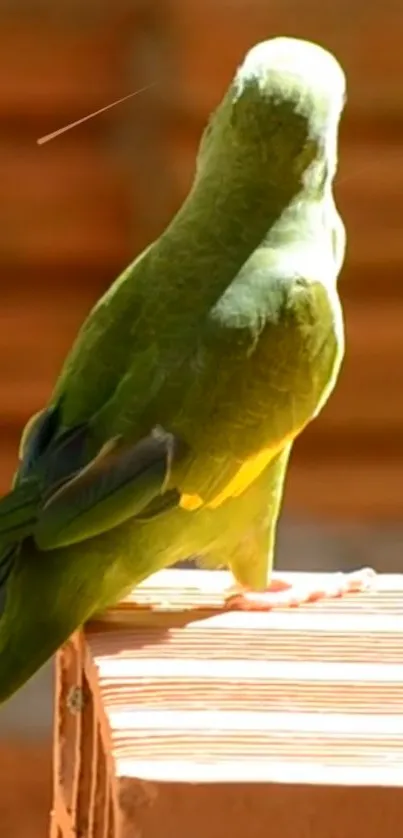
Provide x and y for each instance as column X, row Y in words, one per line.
column 75, row 211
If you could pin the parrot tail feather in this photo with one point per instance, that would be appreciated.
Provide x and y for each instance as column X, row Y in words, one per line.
column 7, row 559
column 18, row 512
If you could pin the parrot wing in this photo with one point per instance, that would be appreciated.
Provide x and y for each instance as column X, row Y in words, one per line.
column 249, row 389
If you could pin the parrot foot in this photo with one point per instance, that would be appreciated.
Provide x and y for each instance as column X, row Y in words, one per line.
column 282, row 594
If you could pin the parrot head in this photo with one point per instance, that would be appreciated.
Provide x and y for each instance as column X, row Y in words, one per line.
column 281, row 113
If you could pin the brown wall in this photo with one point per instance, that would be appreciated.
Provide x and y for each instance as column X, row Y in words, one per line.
column 75, row 210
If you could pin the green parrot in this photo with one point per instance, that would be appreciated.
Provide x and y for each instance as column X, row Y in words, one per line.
column 170, row 428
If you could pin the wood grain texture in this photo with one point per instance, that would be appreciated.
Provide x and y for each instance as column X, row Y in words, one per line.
column 75, row 211
column 202, row 712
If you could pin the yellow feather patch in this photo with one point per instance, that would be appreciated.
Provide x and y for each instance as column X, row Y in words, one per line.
column 190, row 502
column 247, row 473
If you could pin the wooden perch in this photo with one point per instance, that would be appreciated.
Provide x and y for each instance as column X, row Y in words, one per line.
column 176, row 720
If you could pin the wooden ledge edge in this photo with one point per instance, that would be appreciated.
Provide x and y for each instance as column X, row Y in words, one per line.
column 174, row 597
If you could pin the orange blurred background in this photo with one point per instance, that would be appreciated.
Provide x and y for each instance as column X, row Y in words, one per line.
column 73, row 212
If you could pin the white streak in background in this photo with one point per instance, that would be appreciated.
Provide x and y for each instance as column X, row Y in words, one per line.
column 48, row 137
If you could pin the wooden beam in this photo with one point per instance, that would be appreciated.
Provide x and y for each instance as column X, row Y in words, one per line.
column 189, row 717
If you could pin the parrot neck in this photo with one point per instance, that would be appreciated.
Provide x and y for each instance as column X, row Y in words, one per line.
column 214, row 233
column 306, row 220
column 220, row 225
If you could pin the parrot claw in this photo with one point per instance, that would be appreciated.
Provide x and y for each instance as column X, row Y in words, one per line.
column 282, row 594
